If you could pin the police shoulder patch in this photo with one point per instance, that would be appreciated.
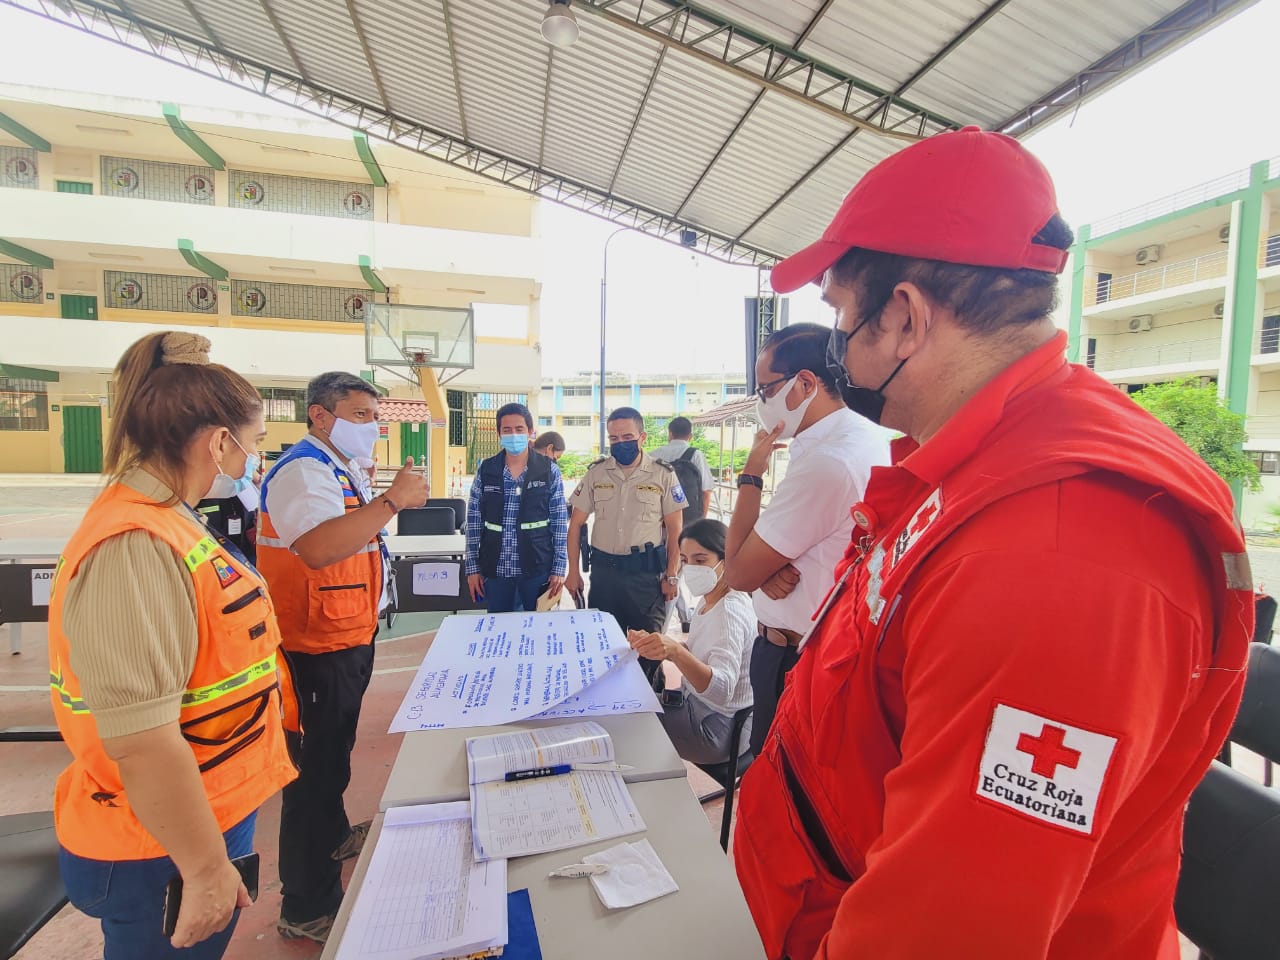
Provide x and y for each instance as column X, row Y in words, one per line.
column 677, row 493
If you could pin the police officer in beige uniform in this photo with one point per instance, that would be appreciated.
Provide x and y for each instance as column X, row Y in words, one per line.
column 635, row 554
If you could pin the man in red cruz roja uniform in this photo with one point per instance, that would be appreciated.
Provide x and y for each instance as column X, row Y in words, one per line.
column 1036, row 640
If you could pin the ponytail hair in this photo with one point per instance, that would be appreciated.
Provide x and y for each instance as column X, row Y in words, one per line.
column 167, row 391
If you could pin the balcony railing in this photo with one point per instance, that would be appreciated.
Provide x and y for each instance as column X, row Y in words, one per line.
column 1104, row 289
column 1269, row 252
column 1200, row 193
column 1165, row 354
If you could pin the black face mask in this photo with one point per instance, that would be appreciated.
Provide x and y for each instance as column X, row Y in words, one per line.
column 861, row 400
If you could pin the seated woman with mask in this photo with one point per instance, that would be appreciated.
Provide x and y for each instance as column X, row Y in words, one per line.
column 714, row 664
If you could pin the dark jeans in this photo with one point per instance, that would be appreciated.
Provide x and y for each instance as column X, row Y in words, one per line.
column 128, row 897
column 635, row 599
column 313, row 820
column 507, row 594
column 769, row 666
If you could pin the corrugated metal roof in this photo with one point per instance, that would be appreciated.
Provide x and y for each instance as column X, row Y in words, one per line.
column 747, row 120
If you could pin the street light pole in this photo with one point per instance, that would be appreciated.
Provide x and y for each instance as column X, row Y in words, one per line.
column 604, row 305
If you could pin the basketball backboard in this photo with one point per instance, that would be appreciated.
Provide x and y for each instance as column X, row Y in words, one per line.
column 400, row 335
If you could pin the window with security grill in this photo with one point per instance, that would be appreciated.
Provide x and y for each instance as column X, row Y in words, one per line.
column 285, row 194
column 154, row 180
column 24, row 404
column 576, row 391
column 1267, row 461
column 735, row 390
column 457, row 401
column 155, row 291
column 298, row 301
column 578, row 421
column 20, row 283
column 284, row 404
column 20, row 168
column 472, row 424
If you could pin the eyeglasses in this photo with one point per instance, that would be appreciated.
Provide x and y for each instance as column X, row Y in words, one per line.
column 760, row 390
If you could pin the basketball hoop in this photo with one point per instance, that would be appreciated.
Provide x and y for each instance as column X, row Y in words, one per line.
column 421, row 357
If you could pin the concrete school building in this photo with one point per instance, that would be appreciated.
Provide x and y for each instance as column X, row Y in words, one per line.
column 1189, row 285
column 571, row 405
column 268, row 235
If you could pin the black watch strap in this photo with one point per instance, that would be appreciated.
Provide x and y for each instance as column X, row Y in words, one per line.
column 750, row 480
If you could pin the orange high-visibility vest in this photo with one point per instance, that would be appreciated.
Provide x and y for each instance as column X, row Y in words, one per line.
column 323, row 610
column 238, row 699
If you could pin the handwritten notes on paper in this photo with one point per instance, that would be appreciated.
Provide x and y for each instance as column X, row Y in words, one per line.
column 500, row 668
column 425, row 895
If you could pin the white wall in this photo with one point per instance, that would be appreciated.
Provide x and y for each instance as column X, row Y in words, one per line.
column 98, row 344
column 222, row 233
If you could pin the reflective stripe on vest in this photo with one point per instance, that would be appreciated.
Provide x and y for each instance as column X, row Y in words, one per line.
column 213, row 691
column 206, row 694
column 74, row 704
column 534, row 525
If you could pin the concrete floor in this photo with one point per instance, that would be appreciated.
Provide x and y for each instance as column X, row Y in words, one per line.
column 48, row 506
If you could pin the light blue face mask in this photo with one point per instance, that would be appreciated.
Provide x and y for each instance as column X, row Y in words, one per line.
column 515, row 443
column 225, row 485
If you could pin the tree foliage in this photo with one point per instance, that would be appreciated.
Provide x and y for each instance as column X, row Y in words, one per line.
column 1197, row 414
column 574, row 464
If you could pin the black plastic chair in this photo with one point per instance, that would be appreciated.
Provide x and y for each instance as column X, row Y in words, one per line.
column 456, row 504
column 31, row 890
column 728, row 773
column 1227, row 896
column 426, row 522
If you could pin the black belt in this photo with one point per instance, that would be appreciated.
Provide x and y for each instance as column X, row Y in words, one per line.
column 653, row 561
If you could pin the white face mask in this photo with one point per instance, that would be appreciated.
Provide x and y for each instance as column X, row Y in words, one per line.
column 699, row 580
column 354, row 440
column 774, row 411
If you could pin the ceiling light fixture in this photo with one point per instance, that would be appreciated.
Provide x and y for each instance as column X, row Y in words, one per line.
column 559, row 25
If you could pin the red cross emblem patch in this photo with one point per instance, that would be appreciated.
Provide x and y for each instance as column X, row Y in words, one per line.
column 924, row 517
column 1044, row 769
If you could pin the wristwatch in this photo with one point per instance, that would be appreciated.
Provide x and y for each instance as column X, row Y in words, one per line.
column 671, row 579
column 750, row 480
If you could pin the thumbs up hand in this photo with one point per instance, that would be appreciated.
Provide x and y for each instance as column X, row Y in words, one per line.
column 410, row 488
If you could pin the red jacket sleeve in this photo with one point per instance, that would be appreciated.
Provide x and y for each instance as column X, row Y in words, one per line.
column 1082, row 644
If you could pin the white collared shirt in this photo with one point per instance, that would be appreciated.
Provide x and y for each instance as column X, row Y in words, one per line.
column 807, row 519
column 304, row 493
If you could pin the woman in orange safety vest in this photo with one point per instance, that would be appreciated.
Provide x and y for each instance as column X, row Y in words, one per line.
column 166, row 674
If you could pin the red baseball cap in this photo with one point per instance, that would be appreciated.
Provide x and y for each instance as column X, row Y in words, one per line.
column 966, row 196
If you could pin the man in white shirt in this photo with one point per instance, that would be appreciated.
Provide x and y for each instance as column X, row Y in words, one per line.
column 679, row 433
column 787, row 553
column 320, row 549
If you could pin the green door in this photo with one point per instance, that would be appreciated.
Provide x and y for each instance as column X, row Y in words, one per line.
column 413, row 442
column 78, row 307
column 82, row 439
column 74, row 186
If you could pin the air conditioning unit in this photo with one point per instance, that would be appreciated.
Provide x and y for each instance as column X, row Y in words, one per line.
column 1140, row 323
column 1220, row 308
column 1224, row 233
column 1148, row 254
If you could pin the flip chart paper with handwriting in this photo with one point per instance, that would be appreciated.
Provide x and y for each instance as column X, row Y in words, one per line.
column 500, row 668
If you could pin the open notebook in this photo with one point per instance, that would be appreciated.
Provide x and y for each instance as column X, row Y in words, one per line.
column 549, row 812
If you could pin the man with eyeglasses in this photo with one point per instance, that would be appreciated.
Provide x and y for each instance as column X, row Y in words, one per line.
column 786, row 554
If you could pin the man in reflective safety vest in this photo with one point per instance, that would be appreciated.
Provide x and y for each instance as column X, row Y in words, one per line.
column 1035, row 643
column 320, row 548
column 517, row 522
